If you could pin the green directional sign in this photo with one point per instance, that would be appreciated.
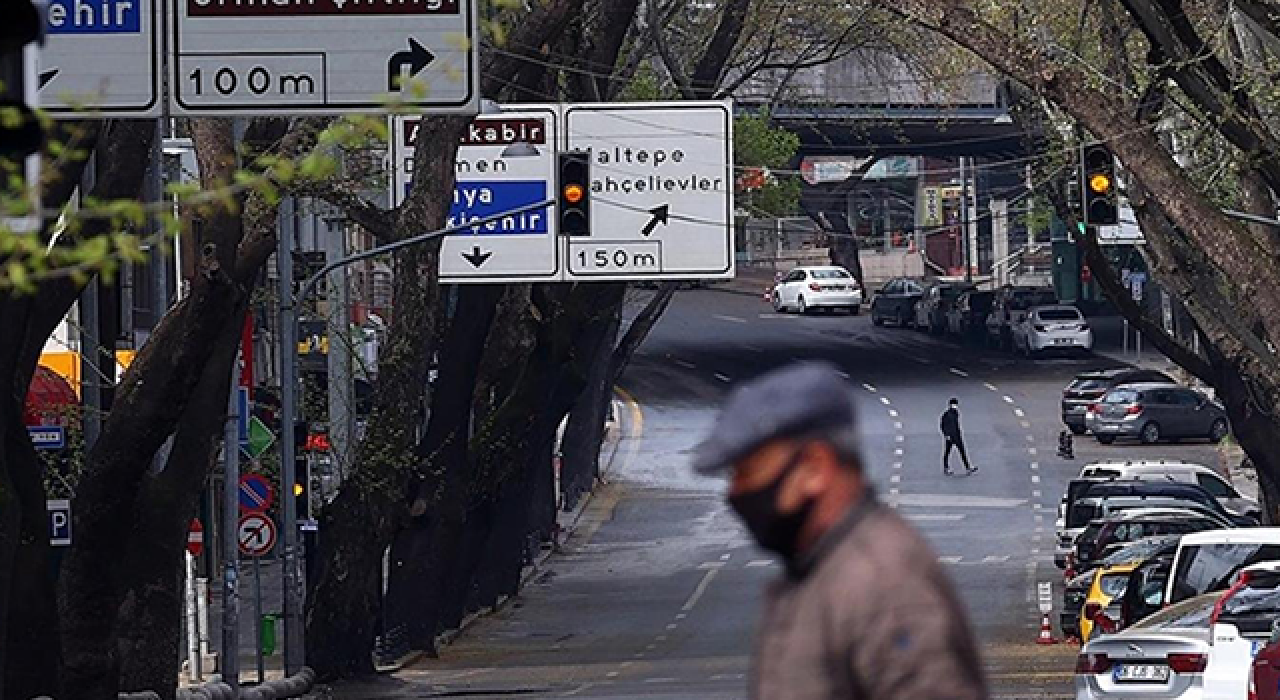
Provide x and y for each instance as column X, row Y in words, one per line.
column 260, row 438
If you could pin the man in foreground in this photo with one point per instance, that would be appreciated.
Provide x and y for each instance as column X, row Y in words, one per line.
column 864, row 609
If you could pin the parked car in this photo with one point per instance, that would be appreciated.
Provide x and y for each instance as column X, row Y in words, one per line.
column 1264, row 677
column 1144, row 593
column 967, row 317
column 896, row 302
column 809, row 288
column 937, row 301
column 1102, row 537
column 1051, row 328
column 1199, row 649
column 1208, row 561
column 1089, row 387
column 1010, row 306
column 1176, row 470
column 1155, row 412
column 1076, row 592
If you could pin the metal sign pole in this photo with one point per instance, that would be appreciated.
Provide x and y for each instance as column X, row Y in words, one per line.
column 230, row 664
column 293, row 598
column 257, row 616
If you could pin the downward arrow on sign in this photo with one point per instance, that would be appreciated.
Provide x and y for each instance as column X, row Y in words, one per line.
column 476, row 257
column 659, row 214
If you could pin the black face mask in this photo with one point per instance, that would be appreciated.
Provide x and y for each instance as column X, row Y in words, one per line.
column 776, row 532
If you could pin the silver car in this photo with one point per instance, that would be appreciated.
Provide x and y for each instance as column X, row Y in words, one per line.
column 1154, row 412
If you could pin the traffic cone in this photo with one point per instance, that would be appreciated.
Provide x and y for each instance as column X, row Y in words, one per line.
column 1046, row 631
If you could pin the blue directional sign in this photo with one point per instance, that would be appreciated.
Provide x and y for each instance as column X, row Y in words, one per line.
column 101, row 57
column 47, row 437
column 478, row 200
column 243, row 414
column 59, row 522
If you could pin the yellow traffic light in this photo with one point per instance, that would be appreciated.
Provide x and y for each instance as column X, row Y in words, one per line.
column 1100, row 183
column 573, row 193
column 297, row 489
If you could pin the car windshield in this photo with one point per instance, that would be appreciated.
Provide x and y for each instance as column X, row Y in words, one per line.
column 1137, row 551
column 1121, row 396
column 1081, row 513
column 1089, row 385
column 1113, row 584
column 1253, row 601
column 829, row 274
column 1190, row 614
column 1211, row 567
column 1059, row 315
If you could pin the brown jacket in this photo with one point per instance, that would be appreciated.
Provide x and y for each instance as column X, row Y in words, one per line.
column 868, row 614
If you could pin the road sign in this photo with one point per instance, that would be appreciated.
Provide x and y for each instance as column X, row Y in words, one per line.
column 195, row 537
column 256, row 494
column 101, row 57
column 243, row 414
column 1044, row 593
column 662, row 190
column 505, row 162
column 295, row 57
column 47, row 437
column 256, row 534
column 59, row 522
column 260, row 438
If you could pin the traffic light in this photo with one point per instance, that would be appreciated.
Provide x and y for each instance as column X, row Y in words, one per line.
column 574, row 203
column 1098, row 186
column 21, row 136
column 302, row 442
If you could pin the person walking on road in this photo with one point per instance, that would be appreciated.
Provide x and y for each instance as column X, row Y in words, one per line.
column 864, row 610
column 950, row 425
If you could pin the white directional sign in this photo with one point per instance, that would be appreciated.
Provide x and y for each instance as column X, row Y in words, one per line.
column 505, row 162
column 101, row 57
column 252, row 57
column 661, row 190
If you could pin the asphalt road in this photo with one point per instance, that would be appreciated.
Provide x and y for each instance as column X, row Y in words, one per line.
column 656, row 594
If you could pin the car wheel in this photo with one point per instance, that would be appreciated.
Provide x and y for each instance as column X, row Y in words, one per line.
column 777, row 302
column 1077, row 429
column 1218, row 432
column 800, row 305
column 1151, row 433
column 1106, row 439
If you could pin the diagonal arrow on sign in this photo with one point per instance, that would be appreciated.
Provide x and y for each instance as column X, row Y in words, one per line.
column 416, row 57
column 47, row 76
column 477, row 257
column 658, row 215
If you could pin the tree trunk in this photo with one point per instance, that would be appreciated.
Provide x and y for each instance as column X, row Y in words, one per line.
column 580, row 447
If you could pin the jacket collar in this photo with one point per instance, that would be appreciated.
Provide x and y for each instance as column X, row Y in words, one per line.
column 803, row 565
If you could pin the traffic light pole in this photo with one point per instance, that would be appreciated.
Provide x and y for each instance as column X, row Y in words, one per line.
column 294, row 583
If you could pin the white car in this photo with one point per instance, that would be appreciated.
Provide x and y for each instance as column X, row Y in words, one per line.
column 809, row 288
column 1179, row 471
column 1057, row 327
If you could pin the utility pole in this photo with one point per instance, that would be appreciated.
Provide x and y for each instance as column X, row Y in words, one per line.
column 341, row 390
column 964, row 219
column 293, row 593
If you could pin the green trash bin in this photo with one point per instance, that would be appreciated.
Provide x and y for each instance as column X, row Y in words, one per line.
column 269, row 634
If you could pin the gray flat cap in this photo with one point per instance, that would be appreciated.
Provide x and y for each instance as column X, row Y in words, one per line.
column 786, row 402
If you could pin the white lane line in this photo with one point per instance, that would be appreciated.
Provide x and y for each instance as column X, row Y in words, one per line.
column 897, row 465
column 759, row 563
column 895, row 479
column 894, row 492
column 934, row 517
column 754, row 348
column 1032, row 451
column 869, row 388
column 990, row 386
column 1035, row 465
column 1019, row 413
column 660, row 638
column 727, row 677
column 844, row 375
column 681, row 616
column 1026, row 424
column 660, row 680
column 708, row 565
column 672, row 627
column 950, row 560
column 725, row 557
column 700, row 590
column 1035, row 494
column 612, row 674
column 684, row 363
column 884, row 400
column 994, row 559
column 1007, row 399
column 897, row 452
column 958, row 372
column 893, row 413
column 899, row 438
column 1039, row 518
column 897, row 425
column 1035, row 478
column 1031, row 438
column 730, row 319
column 724, row 377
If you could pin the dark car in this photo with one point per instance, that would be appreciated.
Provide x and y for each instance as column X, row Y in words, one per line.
column 1079, row 491
column 932, row 309
column 967, row 317
column 1155, row 412
column 896, row 302
column 1089, row 387
column 1101, row 537
column 1010, row 306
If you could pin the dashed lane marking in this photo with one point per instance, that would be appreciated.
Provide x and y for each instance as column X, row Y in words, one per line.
column 950, row 560
column 869, row 388
column 684, row 363
column 724, row 377
column 754, row 348
column 661, row 680
column 725, row 557
column 1035, row 478
column 895, row 479
column 990, row 386
column 995, row 559
column 1007, row 399
column 1035, row 465
column 897, row 425
column 934, row 517
column 897, row 452
column 612, row 674
column 730, row 319
column 1026, row 424
column 958, row 372
column 759, row 563
column 672, row 627
column 1031, row 438
column 1032, row 451
column 893, row 413
column 710, row 565
column 700, row 590
column 884, row 400
column 899, row 438
column 1019, row 413
column 1035, row 494
column 844, row 375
